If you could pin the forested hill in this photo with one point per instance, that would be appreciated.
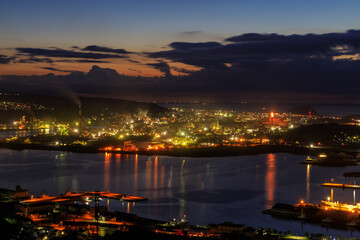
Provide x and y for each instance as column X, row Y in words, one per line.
column 13, row 106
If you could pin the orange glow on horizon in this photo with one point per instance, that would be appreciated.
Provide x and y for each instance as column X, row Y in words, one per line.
column 124, row 67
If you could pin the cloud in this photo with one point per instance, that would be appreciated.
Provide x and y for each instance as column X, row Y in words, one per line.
column 131, row 69
column 191, row 33
column 98, row 81
column 162, row 67
column 95, row 48
column 49, row 60
column 251, row 66
column 350, row 37
column 5, row 59
column 262, row 47
column 250, row 37
column 198, row 54
column 35, row 60
column 132, row 61
column 311, row 79
column 56, row 69
column 61, row 53
column 272, row 63
column 254, row 47
column 182, row 70
column 90, row 61
column 194, row 46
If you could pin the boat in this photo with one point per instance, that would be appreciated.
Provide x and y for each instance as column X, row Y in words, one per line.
column 184, row 221
column 302, row 215
column 351, row 224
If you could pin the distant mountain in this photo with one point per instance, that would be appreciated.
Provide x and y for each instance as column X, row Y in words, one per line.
column 67, row 108
column 303, row 110
column 94, row 105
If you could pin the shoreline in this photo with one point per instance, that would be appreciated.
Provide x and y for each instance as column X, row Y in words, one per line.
column 222, row 151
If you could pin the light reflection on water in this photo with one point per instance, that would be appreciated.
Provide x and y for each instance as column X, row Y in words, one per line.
column 207, row 190
column 135, row 174
column 308, row 182
column 107, row 171
column 270, row 180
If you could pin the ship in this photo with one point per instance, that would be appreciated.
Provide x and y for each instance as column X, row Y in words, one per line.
column 333, row 214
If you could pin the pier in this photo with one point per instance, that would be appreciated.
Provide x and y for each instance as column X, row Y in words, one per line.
column 341, row 185
column 85, row 196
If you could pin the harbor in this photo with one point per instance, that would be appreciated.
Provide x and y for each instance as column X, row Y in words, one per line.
column 203, row 189
column 83, row 214
column 329, row 213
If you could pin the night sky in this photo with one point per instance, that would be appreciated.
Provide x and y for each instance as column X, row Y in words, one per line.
column 234, row 50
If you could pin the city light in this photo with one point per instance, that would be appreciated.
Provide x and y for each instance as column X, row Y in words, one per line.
column 242, row 116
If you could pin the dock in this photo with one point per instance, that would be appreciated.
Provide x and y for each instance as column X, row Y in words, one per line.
column 341, row 185
column 70, row 197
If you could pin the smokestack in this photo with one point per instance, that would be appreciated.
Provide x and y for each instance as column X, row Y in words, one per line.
column 80, row 118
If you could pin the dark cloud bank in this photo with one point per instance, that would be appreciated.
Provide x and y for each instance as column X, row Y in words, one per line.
column 95, row 48
column 243, row 66
column 62, row 53
column 5, row 59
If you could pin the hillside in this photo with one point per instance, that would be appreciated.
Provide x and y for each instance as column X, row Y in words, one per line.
column 326, row 134
column 13, row 106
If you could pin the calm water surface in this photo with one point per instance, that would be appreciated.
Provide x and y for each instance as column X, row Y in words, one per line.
column 207, row 190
